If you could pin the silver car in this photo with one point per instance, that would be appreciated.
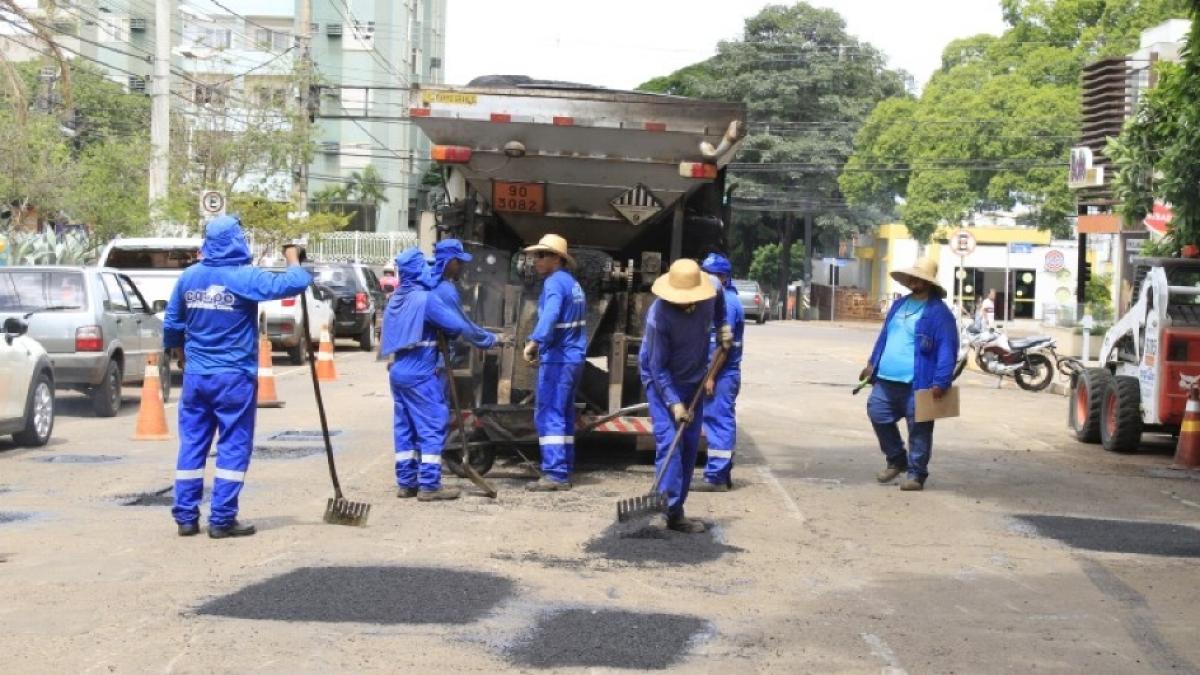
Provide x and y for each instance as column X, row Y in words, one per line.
column 754, row 301
column 94, row 324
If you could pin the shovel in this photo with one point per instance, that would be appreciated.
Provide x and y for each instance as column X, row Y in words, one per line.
column 472, row 474
column 655, row 501
column 338, row 510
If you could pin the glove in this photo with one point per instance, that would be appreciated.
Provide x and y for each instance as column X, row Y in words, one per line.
column 502, row 339
column 531, row 352
column 680, row 412
column 725, row 335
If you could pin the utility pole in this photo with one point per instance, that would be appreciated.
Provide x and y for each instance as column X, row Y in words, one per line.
column 160, row 113
column 304, row 83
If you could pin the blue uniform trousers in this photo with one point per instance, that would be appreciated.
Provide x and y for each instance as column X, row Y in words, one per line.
column 554, row 416
column 224, row 404
column 891, row 402
column 419, row 425
column 720, row 426
column 676, row 477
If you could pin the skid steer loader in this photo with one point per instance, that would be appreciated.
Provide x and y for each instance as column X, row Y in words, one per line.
column 1149, row 360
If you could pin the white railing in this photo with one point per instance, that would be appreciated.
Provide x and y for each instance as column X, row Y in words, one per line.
column 374, row 248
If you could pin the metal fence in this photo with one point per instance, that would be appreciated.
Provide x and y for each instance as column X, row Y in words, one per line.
column 373, row 248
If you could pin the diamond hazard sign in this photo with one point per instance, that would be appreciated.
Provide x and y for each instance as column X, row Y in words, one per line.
column 637, row 205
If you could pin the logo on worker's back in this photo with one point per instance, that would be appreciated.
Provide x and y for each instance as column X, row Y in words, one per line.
column 214, row 297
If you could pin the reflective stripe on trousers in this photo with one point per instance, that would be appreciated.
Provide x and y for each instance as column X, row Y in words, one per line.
column 419, row 424
column 720, row 427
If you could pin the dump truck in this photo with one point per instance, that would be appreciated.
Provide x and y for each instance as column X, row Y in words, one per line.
column 1149, row 360
column 633, row 181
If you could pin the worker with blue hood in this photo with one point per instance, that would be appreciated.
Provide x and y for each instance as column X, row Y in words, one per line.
column 720, row 419
column 414, row 317
column 213, row 318
column 446, row 268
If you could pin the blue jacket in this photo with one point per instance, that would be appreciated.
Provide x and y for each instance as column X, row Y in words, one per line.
column 674, row 353
column 561, row 331
column 447, row 292
column 213, row 311
column 936, row 342
column 735, row 318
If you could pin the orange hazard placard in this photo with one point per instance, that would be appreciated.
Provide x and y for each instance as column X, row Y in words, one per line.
column 510, row 197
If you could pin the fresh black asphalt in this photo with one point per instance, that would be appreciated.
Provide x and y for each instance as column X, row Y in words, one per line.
column 653, row 543
column 1119, row 536
column 607, row 638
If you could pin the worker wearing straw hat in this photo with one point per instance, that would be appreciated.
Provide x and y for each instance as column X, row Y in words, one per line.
column 673, row 360
column 558, row 344
column 916, row 349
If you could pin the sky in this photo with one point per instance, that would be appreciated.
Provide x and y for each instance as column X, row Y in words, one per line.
column 623, row 43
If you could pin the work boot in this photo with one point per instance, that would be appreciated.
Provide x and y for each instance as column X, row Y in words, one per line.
column 406, row 492
column 913, row 485
column 686, row 525
column 439, row 495
column 705, row 486
column 189, row 529
column 234, row 529
column 546, row 485
column 889, row 474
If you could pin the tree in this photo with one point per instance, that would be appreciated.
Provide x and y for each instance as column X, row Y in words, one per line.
column 994, row 127
column 1156, row 153
column 270, row 224
column 765, row 269
column 368, row 187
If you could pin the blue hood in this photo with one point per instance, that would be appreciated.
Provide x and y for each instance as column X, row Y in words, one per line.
column 716, row 263
column 224, row 243
column 404, row 318
column 445, row 251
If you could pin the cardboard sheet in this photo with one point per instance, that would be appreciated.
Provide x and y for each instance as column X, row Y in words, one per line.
column 928, row 409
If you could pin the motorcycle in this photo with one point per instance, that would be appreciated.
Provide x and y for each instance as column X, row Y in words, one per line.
column 1030, row 361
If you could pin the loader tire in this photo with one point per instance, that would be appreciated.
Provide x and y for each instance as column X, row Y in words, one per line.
column 1121, row 415
column 1087, row 397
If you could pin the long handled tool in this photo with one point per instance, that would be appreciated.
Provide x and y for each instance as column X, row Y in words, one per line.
column 472, row 474
column 655, row 501
column 339, row 510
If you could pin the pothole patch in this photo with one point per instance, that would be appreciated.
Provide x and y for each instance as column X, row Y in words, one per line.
column 287, row 450
column 606, row 638
column 163, row 497
column 78, row 459
column 1118, row 536
column 654, row 543
column 382, row 595
column 301, row 436
column 13, row 516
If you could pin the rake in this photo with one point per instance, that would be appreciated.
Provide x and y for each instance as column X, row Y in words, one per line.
column 655, row 501
column 338, row 510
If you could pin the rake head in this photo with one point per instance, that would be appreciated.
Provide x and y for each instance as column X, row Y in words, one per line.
column 345, row 512
column 637, row 507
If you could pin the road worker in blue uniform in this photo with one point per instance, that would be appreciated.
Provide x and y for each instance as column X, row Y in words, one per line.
column 446, row 268
column 559, row 345
column 213, row 318
column 672, row 362
column 720, row 419
column 414, row 317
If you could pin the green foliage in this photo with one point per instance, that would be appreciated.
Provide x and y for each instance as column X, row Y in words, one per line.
column 1156, row 154
column 45, row 248
column 1098, row 293
column 109, row 193
column 267, row 221
column 764, row 267
column 994, row 127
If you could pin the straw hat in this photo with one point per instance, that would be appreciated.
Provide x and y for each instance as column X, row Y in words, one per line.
column 552, row 243
column 926, row 269
column 684, row 284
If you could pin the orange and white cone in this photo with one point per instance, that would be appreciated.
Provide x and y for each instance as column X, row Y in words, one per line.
column 326, row 372
column 267, row 396
column 1187, row 452
column 152, row 413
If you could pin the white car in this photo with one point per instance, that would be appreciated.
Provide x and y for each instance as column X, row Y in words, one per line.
column 26, row 387
column 283, row 325
column 154, row 263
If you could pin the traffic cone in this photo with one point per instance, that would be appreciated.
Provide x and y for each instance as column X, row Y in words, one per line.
column 267, row 398
column 1187, row 452
column 325, row 369
column 152, row 414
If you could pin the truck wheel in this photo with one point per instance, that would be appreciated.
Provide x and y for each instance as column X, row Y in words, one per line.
column 39, row 414
column 106, row 396
column 1087, row 397
column 366, row 341
column 1037, row 375
column 482, row 457
column 296, row 354
column 1121, row 415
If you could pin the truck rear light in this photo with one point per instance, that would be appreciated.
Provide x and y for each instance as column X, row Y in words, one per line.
column 361, row 302
column 564, row 121
column 419, row 112
column 288, row 302
column 698, row 170
column 89, row 339
column 451, row 154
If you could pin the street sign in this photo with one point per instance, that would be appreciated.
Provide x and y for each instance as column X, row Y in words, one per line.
column 1020, row 248
column 1081, row 172
column 962, row 243
column 1159, row 218
column 1055, row 260
column 212, row 203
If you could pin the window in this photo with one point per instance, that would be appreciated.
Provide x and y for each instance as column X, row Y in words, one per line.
column 153, row 258
column 272, row 39
column 362, row 36
column 29, row 291
column 209, row 94
column 135, row 300
column 281, row 40
column 116, row 296
column 217, row 38
column 262, row 38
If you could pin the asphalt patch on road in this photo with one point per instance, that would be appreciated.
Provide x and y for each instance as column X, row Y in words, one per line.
column 302, row 435
column 78, row 459
column 375, row 595
column 12, row 517
column 287, row 451
column 163, row 497
column 1119, row 536
column 606, row 638
column 653, row 543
